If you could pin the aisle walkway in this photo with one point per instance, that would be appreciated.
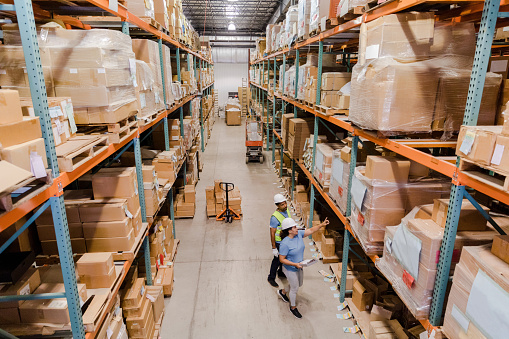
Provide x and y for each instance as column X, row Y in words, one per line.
column 221, row 288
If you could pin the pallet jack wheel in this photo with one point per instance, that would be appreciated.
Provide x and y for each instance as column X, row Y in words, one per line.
column 261, row 159
column 247, row 160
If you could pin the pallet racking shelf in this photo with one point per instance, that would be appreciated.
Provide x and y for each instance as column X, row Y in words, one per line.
column 485, row 12
column 25, row 11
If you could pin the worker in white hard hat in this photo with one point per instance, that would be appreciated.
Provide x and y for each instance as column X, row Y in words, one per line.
column 291, row 253
column 276, row 218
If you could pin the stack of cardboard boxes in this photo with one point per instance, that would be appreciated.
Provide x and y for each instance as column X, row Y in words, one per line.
column 26, row 284
column 411, row 250
column 233, row 112
column 153, row 192
column 96, row 270
column 137, row 309
column 298, row 130
column 185, row 203
column 323, row 163
column 331, row 96
column 20, row 136
column 382, row 195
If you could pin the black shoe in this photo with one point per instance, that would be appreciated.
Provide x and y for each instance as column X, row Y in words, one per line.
column 283, row 296
column 296, row 313
column 273, row 282
column 281, row 275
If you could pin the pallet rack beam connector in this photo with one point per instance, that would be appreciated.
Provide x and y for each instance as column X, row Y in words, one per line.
column 125, row 27
column 28, row 33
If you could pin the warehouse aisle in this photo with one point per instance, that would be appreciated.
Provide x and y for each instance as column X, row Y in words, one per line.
column 221, row 288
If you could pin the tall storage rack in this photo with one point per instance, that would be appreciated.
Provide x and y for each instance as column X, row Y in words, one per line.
column 460, row 180
column 52, row 194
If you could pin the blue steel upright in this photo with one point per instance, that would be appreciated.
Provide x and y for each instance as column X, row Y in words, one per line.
column 475, row 90
column 274, row 113
column 28, row 33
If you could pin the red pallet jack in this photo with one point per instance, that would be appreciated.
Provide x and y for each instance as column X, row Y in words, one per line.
column 228, row 215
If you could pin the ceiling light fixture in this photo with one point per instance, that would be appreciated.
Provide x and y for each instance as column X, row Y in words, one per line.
column 231, row 26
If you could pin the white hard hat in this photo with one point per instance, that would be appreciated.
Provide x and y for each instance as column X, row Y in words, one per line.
column 279, row 198
column 288, row 223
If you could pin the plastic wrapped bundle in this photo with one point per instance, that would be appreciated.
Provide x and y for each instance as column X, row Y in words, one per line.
column 456, row 39
column 148, row 51
column 274, row 37
column 377, row 204
column 323, row 162
column 289, row 89
column 452, row 99
column 141, row 8
column 478, row 297
column 292, row 17
column 391, row 97
column 168, row 74
column 148, row 92
column 340, row 173
column 410, row 256
column 304, row 10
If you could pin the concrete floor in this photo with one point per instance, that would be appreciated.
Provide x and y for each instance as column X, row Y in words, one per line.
column 221, row 288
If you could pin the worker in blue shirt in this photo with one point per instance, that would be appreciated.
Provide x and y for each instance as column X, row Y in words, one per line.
column 276, row 218
column 291, row 254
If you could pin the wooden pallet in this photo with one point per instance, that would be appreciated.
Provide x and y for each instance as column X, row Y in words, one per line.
column 326, row 260
column 352, row 13
column 152, row 22
column 23, row 191
column 500, row 180
column 116, row 133
column 330, row 110
column 78, row 150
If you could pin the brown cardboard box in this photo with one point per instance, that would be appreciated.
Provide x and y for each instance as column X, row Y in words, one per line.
column 470, row 218
column 500, row 247
column 482, row 140
column 95, row 264
column 209, row 193
column 233, row 117
column 99, row 281
column 27, row 284
column 380, row 329
column 328, row 246
column 19, row 132
column 115, row 183
column 136, row 311
column 103, row 210
column 105, row 115
column 327, row 81
column 135, row 294
column 164, row 278
column 111, row 244
column 107, row 229
column 149, row 173
column 137, row 222
column 47, row 232
column 142, row 325
column 50, row 247
column 10, row 107
column 297, row 126
column 10, row 316
column 19, row 154
column 387, row 168
column 53, row 311
column 157, row 295
column 189, row 194
column 500, row 158
column 71, row 210
column 361, row 297
column 425, row 212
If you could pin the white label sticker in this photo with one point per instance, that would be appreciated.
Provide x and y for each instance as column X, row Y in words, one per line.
column 25, row 290
column 37, row 165
column 113, row 5
column 151, row 298
column 55, row 112
column 498, row 66
column 497, row 154
column 101, row 70
column 460, row 318
column 58, row 303
column 142, row 290
column 59, row 127
column 158, row 281
column 109, row 332
column 143, row 102
column 73, row 70
column 372, row 52
column 468, row 141
column 129, row 214
column 135, row 186
column 3, row 71
column 388, row 245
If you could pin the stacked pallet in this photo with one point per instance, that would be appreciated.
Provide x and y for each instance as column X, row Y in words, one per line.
column 185, row 202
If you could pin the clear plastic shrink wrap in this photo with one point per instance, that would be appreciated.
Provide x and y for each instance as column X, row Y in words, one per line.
column 411, row 254
column 150, row 96
column 377, row 204
column 292, row 17
column 479, row 295
column 304, row 10
column 323, row 162
column 391, row 96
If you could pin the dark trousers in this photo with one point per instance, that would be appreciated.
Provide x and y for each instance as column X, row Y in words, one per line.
column 275, row 266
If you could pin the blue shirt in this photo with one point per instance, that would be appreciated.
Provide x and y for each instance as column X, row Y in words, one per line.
column 293, row 249
column 274, row 223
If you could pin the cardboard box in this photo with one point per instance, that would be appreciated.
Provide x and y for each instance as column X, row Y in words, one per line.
column 47, row 232
column 111, row 244
column 105, row 115
column 50, row 247
column 95, row 264
column 233, row 117
column 470, row 218
column 328, row 246
column 115, row 183
column 157, row 300
column 27, row 284
column 361, row 297
column 136, row 311
column 189, row 194
column 53, row 311
column 99, row 281
column 500, row 157
column 19, row 132
column 141, row 326
column 209, row 193
column 164, row 278
column 149, row 173
column 477, row 143
column 135, row 294
column 107, row 229
column 10, row 316
column 19, row 154
column 500, row 247
column 387, row 168
column 10, row 107
column 100, row 210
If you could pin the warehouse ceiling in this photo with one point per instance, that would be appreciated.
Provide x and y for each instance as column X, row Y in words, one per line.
column 212, row 17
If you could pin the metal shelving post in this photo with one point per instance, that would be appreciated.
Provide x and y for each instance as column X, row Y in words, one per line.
column 165, row 119
column 28, row 33
column 348, row 213
column 181, row 110
column 274, row 113
column 201, row 110
column 267, row 108
column 297, row 62
column 475, row 90
column 283, row 71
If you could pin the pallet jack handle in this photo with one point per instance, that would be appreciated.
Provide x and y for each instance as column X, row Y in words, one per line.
column 227, row 214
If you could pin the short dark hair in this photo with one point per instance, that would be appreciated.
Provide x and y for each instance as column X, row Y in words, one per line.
column 279, row 203
column 284, row 233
